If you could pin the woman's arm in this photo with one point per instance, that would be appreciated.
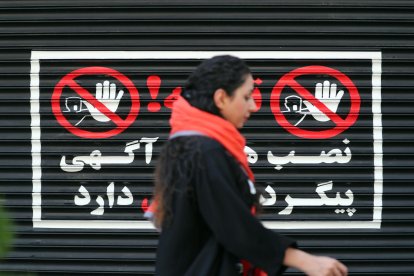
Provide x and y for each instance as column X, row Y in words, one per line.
column 313, row 265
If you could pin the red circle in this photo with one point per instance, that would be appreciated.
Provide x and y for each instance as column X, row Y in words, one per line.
column 122, row 124
column 341, row 125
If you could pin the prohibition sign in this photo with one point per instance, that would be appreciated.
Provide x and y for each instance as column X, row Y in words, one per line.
column 69, row 80
column 288, row 80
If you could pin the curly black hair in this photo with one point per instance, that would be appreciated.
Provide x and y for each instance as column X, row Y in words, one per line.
column 226, row 72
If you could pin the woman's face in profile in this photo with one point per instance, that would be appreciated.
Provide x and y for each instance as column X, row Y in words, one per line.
column 237, row 108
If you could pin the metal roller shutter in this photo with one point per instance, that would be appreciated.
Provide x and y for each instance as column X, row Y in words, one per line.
column 337, row 172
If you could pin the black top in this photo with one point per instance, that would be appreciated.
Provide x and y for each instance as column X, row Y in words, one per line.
column 212, row 227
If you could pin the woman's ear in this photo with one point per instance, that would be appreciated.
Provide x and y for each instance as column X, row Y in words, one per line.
column 220, row 98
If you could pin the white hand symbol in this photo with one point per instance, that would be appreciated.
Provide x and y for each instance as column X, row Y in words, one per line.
column 107, row 95
column 328, row 96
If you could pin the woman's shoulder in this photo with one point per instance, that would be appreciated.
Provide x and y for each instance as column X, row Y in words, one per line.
column 198, row 142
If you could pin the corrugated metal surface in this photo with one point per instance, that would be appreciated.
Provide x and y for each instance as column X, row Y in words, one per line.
column 384, row 27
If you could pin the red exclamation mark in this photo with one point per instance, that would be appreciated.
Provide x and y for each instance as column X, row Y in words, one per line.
column 257, row 96
column 168, row 102
column 144, row 205
column 154, row 84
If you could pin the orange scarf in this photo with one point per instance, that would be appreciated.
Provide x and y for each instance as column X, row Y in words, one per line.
column 185, row 117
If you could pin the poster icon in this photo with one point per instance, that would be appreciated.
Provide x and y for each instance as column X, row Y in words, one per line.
column 322, row 106
column 102, row 106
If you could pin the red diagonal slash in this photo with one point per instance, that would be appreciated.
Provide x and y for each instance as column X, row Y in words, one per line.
column 86, row 95
column 341, row 124
column 316, row 102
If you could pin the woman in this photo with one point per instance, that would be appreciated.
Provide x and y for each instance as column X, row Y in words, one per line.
column 205, row 199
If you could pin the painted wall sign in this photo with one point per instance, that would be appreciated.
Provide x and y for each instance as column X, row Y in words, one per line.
column 86, row 129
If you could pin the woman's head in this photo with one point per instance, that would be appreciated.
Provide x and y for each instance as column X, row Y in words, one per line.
column 213, row 85
column 226, row 72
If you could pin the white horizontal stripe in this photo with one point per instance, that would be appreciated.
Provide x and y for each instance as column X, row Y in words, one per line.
column 203, row 54
column 322, row 224
column 119, row 224
column 93, row 224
